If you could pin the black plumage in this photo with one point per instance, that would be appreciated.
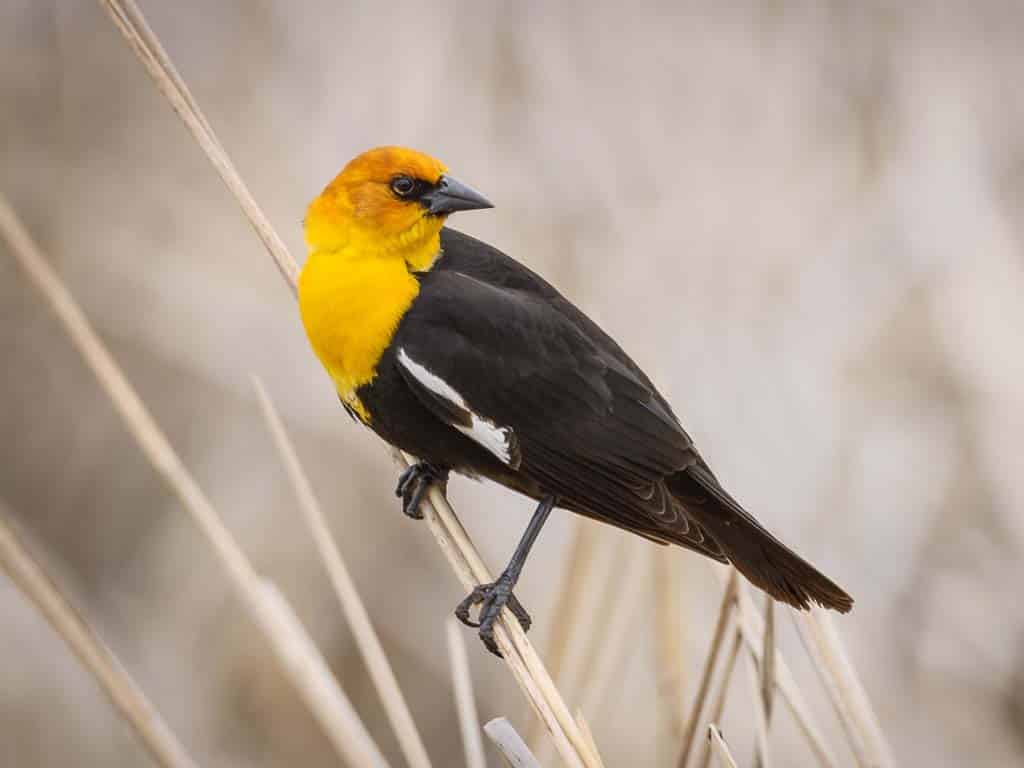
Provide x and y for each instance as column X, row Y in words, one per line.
column 584, row 424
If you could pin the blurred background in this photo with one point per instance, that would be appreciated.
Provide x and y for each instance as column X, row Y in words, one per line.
column 805, row 219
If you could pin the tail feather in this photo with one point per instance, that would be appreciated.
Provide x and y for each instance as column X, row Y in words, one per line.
column 764, row 560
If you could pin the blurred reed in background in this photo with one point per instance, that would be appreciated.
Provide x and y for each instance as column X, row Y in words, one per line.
column 806, row 219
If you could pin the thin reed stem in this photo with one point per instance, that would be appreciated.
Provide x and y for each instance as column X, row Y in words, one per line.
column 598, row 590
column 718, row 707
column 720, row 748
column 510, row 744
column 574, row 581
column 128, row 699
column 666, row 564
column 837, row 673
column 465, row 701
column 292, row 646
column 516, row 648
column 577, row 568
column 768, row 658
column 376, row 660
column 614, row 630
column 751, row 626
column 132, row 24
column 761, row 759
column 588, row 734
column 724, row 613
column 448, row 531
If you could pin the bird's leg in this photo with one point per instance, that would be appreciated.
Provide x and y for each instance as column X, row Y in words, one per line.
column 494, row 596
column 413, row 484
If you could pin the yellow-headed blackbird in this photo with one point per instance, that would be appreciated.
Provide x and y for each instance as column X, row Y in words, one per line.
column 458, row 354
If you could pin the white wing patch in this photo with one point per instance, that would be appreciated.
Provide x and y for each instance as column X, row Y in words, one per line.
column 500, row 441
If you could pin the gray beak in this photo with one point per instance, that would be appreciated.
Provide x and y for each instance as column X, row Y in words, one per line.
column 451, row 195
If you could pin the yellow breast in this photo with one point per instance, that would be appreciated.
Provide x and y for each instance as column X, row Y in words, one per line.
column 351, row 308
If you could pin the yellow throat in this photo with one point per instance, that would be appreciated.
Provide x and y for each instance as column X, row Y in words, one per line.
column 353, row 291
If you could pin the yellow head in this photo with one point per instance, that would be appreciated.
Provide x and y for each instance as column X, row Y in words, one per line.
column 387, row 201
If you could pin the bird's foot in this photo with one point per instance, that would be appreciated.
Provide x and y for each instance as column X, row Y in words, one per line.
column 413, row 484
column 492, row 598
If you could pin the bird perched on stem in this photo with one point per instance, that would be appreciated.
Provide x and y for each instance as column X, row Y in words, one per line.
column 458, row 354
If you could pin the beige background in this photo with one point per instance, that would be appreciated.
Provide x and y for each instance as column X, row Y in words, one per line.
column 805, row 219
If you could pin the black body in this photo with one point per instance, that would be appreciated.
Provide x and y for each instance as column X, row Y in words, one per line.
column 590, row 427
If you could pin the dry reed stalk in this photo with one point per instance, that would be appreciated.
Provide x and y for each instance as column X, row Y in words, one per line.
column 595, row 594
column 724, row 614
column 598, row 589
column 718, row 708
column 826, row 649
column 462, row 684
column 516, row 649
column 566, row 609
column 614, row 631
column 540, row 692
column 720, row 748
column 578, row 563
column 376, row 660
column 448, row 531
column 136, row 31
column 129, row 701
column 751, row 626
column 761, row 759
column 668, row 639
column 291, row 645
column 581, row 721
column 510, row 744
column 768, row 658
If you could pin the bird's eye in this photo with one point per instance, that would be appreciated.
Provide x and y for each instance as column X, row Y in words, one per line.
column 402, row 186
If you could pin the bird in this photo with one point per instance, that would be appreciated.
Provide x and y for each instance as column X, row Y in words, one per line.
column 456, row 353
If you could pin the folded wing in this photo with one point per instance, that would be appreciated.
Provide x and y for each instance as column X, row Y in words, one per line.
column 510, row 371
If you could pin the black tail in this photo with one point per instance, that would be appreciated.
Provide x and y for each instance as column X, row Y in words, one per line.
column 764, row 560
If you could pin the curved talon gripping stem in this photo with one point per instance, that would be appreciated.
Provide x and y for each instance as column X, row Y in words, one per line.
column 492, row 598
column 498, row 594
column 413, row 484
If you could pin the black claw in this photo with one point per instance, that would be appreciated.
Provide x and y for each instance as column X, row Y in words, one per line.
column 413, row 484
column 491, row 598
column 404, row 479
column 412, row 507
column 487, row 636
column 520, row 613
column 473, row 598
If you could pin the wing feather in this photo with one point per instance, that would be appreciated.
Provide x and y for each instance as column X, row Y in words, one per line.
column 587, row 427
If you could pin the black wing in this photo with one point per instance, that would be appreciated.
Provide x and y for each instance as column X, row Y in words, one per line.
column 585, row 426
column 465, row 254
column 608, row 461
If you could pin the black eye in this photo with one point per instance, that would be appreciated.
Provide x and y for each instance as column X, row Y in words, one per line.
column 403, row 186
